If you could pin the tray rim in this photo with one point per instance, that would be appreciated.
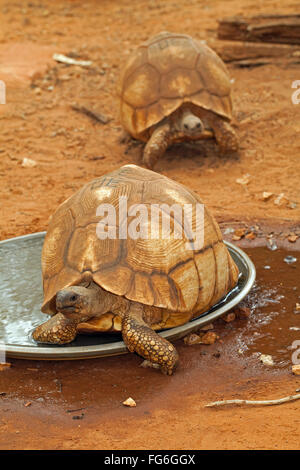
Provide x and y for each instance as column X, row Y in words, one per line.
column 118, row 347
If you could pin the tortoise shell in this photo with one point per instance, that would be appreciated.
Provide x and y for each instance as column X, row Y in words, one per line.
column 170, row 273
column 165, row 72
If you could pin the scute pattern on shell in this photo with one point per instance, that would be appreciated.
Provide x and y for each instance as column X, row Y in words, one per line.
column 156, row 272
column 167, row 71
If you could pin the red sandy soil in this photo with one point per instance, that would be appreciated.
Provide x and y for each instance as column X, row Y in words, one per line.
column 70, row 148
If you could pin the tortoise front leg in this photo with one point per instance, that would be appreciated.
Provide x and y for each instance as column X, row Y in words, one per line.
column 57, row 330
column 225, row 136
column 157, row 145
column 140, row 338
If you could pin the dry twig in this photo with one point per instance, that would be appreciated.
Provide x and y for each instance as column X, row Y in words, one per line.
column 254, row 402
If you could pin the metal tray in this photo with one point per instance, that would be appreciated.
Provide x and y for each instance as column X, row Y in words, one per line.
column 21, row 297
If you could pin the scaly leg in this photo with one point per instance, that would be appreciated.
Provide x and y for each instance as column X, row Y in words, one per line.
column 139, row 337
column 57, row 330
column 225, row 136
column 157, row 145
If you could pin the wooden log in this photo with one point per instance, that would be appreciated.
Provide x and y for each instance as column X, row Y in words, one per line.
column 245, row 54
column 284, row 29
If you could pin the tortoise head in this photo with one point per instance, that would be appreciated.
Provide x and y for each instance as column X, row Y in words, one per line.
column 190, row 124
column 76, row 302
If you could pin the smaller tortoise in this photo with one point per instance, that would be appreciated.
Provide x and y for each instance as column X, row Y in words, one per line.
column 131, row 284
column 174, row 88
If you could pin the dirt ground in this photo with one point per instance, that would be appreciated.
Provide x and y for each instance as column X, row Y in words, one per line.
column 69, row 148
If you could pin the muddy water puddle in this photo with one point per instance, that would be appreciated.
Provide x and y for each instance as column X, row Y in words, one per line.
column 274, row 324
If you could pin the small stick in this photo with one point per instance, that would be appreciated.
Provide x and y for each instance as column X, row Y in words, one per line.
column 254, row 402
column 92, row 114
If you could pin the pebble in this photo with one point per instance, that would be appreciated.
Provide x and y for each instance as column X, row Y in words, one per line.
column 266, row 359
column 209, row 338
column 191, row 339
column 296, row 369
column 242, row 312
column 129, row 402
column 229, row 317
column 28, row 163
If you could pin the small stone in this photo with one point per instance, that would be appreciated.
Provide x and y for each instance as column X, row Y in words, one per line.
column 297, row 308
column 266, row 195
column 244, row 179
column 229, row 317
column 280, row 200
column 240, row 232
column 242, row 312
column 296, row 369
column 209, row 338
column 27, row 404
column 129, row 402
column 292, row 238
column 28, row 163
column 250, row 236
column 266, row 359
column 191, row 339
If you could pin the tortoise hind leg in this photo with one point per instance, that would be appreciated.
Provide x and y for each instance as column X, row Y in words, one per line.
column 140, row 338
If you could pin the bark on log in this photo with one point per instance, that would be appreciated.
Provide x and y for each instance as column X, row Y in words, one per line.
column 284, row 29
column 245, row 54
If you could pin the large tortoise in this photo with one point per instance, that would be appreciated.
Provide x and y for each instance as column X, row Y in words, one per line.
column 94, row 281
column 174, row 88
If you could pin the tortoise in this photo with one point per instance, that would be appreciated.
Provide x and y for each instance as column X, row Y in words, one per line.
column 95, row 280
column 174, row 88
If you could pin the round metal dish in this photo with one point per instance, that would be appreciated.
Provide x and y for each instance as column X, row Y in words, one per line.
column 25, row 251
